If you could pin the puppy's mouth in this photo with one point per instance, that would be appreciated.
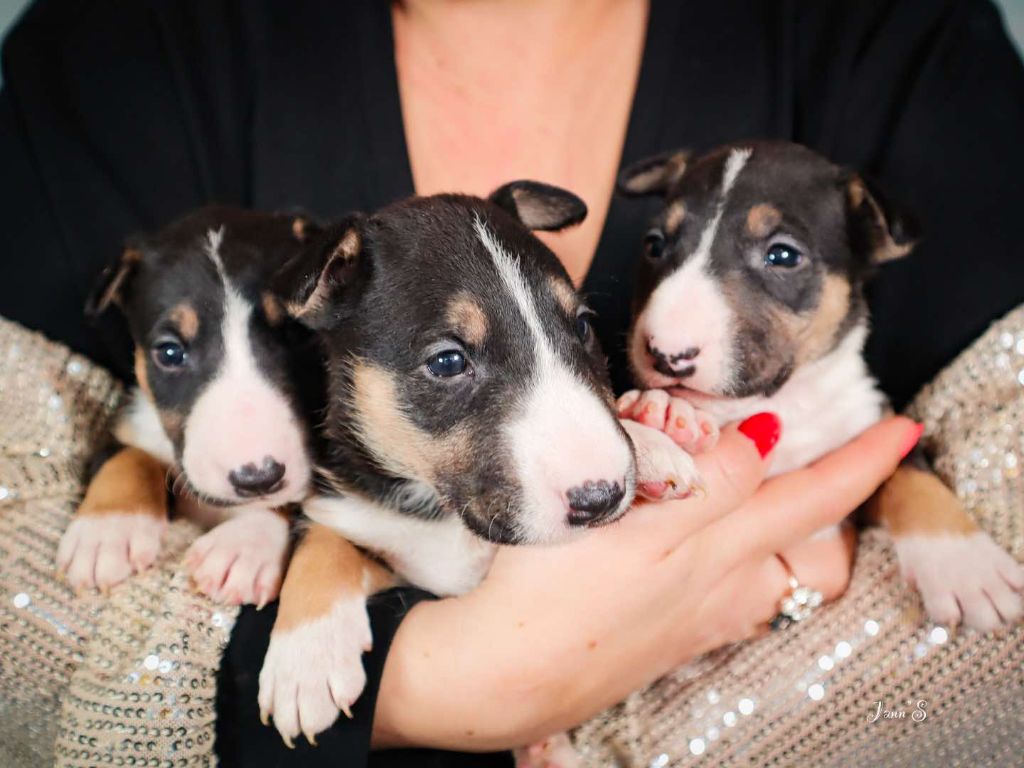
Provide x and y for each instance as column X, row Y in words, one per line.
column 649, row 378
column 493, row 530
column 180, row 485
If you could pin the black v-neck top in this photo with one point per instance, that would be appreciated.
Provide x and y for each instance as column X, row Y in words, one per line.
column 118, row 115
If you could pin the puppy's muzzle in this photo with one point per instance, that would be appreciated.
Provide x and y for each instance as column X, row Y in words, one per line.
column 593, row 501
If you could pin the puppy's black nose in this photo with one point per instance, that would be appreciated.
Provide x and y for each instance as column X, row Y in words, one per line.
column 669, row 365
column 592, row 501
column 252, row 480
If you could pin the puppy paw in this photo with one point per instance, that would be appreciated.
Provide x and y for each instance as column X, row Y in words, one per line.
column 103, row 550
column 964, row 579
column 663, row 469
column 242, row 560
column 553, row 752
column 690, row 428
column 314, row 670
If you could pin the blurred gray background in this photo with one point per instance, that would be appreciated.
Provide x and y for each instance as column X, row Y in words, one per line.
column 1013, row 12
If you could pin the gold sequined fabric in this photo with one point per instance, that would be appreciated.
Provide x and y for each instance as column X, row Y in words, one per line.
column 85, row 681
column 867, row 681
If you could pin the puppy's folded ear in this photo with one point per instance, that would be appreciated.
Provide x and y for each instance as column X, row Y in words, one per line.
column 540, row 206
column 653, row 176
column 312, row 286
column 878, row 228
column 113, row 282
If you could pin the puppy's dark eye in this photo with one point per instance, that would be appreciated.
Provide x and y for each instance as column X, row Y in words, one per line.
column 782, row 255
column 584, row 326
column 654, row 245
column 446, row 364
column 169, row 354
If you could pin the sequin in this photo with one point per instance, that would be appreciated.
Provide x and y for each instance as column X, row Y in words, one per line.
column 938, row 635
column 21, row 600
column 697, row 746
column 843, row 649
column 745, row 706
column 871, row 627
column 826, row 663
column 816, row 691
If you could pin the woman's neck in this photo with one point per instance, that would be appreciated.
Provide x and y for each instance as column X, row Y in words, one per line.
column 494, row 90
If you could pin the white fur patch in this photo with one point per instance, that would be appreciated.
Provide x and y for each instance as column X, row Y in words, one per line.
column 103, row 550
column 214, row 238
column 963, row 579
column 314, row 670
column 565, row 434
column 442, row 556
column 138, row 426
column 240, row 417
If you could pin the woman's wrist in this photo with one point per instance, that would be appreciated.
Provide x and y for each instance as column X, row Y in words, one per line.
column 442, row 687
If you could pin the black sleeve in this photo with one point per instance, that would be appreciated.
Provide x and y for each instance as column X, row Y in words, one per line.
column 242, row 740
column 927, row 96
column 115, row 117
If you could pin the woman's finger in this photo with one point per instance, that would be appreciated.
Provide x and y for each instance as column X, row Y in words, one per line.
column 731, row 473
column 792, row 507
column 754, row 590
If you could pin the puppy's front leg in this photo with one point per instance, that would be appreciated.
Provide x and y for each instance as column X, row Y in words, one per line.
column 961, row 573
column 119, row 526
column 313, row 667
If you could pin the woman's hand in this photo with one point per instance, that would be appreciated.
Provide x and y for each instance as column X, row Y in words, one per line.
column 556, row 634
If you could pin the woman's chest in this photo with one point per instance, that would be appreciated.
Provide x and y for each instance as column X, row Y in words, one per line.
column 474, row 121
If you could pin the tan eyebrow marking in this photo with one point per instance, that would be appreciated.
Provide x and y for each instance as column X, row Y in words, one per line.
column 468, row 318
column 762, row 219
column 271, row 308
column 564, row 293
column 186, row 320
column 674, row 216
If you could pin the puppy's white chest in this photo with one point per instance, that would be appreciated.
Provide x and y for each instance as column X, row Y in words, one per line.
column 442, row 556
column 824, row 405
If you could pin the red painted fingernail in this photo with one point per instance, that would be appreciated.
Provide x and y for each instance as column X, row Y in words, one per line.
column 912, row 438
column 764, row 429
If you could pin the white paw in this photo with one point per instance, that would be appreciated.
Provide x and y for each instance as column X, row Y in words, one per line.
column 690, row 428
column 103, row 550
column 242, row 560
column 553, row 752
column 663, row 469
column 968, row 579
column 314, row 670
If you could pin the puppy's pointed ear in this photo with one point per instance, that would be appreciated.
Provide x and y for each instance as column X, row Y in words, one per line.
column 879, row 228
column 312, row 286
column 113, row 282
column 653, row 176
column 540, row 206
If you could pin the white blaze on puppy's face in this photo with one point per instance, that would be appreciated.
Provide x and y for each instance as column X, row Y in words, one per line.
column 564, row 435
column 689, row 310
column 240, row 418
